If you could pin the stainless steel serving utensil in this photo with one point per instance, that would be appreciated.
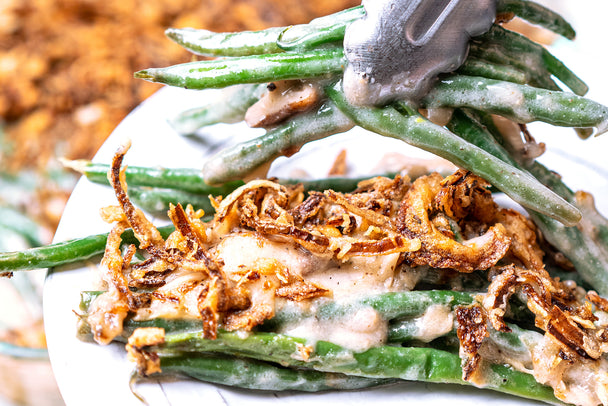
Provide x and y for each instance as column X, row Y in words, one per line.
column 399, row 47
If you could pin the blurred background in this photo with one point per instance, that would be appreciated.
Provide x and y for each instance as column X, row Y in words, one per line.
column 66, row 80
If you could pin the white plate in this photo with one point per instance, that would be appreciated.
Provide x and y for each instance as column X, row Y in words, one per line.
column 89, row 374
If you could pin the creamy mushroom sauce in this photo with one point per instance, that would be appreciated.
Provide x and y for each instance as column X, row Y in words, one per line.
column 346, row 280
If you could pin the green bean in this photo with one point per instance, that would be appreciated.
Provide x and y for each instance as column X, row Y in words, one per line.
column 584, row 248
column 259, row 375
column 157, row 201
column 238, row 161
column 477, row 67
column 130, row 325
column 408, row 330
column 184, row 340
column 169, row 325
column 219, row 73
column 263, row 346
column 582, row 245
column 537, row 14
column 408, row 363
column 209, row 43
column 417, row 131
column 522, row 104
column 62, row 253
column 337, row 184
column 585, row 245
column 228, row 107
column 470, row 130
column 519, row 47
column 191, row 180
column 405, row 331
column 272, row 40
column 536, row 75
column 399, row 304
column 398, row 307
column 185, row 179
column 391, row 305
column 320, row 31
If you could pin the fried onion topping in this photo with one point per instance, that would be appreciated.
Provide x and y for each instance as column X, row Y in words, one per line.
column 382, row 217
column 424, row 200
column 147, row 362
column 471, row 331
column 262, row 248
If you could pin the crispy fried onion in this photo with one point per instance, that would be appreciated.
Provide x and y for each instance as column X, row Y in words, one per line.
column 557, row 310
column 471, row 330
column 323, row 223
column 107, row 313
column 391, row 216
column 269, row 279
column 462, row 196
column 569, row 356
column 182, row 277
column 146, row 362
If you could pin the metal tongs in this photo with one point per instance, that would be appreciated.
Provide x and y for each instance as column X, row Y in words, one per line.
column 400, row 46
